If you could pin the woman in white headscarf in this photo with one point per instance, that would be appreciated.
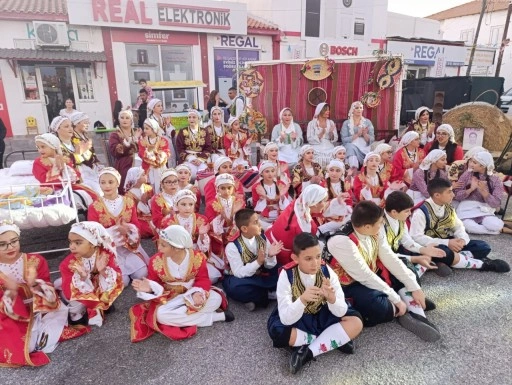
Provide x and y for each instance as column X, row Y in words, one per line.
column 423, row 126
column 357, row 135
column 297, row 218
column 288, row 136
column 193, row 144
column 306, row 171
column 155, row 112
column 445, row 140
column 136, row 187
column 322, row 134
column 433, row 166
column 407, row 158
column 217, row 130
column 154, row 152
column 480, row 196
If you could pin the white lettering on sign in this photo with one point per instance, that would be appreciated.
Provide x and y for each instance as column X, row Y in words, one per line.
column 343, row 51
column 427, row 51
column 156, row 36
column 174, row 14
column 238, row 41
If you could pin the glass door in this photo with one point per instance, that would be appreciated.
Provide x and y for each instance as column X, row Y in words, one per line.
column 57, row 85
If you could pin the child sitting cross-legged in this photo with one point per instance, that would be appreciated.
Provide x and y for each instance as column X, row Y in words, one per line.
column 437, row 222
column 252, row 274
column 178, row 291
column 311, row 314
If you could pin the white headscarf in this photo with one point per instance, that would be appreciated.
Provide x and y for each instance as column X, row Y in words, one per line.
column 370, row 155
column 337, row 149
column 152, row 103
column 336, row 163
column 305, row 148
column 6, row 226
column 311, row 195
column 432, row 157
column 126, row 112
column 94, row 233
column 183, row 166
column 232, row 120
column 112, row 171
column 153, row 124
column 132, row 176
column 224, row 179
column 419, row 111
column 291, row 126
column 407, row 138
column 269, row 146
column 318, row 109
column 167, row 173
column 182, row 194
column 383, row 147
column 216, row 108
column 449, row 129
column 177, row 236
column 56, row 122
column 78, row 117
column 51, row 140
column 266, row 164
column 199, row 117
column 219, row 162
column 351, row 123
column 486, row 160
column 472, row 151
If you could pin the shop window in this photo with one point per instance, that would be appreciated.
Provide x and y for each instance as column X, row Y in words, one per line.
column 84, row 83
column 359, row 27
column 29, row 82
column 312, row 19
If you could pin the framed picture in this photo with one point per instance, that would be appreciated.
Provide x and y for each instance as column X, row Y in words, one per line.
column 179, row 94
column 146, row 75
column 472, row 137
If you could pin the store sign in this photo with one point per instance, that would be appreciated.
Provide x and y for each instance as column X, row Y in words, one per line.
column 238, row 41
column 427, row 54
column 336, row 48
column 342, row 50
column 153, row 37
column 482, row 58
column 193, row 15
column 31, row 34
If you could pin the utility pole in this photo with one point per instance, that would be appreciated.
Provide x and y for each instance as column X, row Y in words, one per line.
column 473, row 48
column 503, row 41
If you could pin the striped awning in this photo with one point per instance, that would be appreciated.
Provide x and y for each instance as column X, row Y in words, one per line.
column 52, row 55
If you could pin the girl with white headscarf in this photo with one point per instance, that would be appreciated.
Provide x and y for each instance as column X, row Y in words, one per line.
column 407, row 158
column 193, row 144
column 306, row 171
column 162, row 203
column 288, row 136
column 480, row 196
column 217, row 130
column 322, row 134
column 184, row 182
column 357, row 135
column 223, row 165
column 445, row 140
column 340, row 197
column 386, row 166
column 33, row 318
column 297, row 218
column 271, row 154
column 154, row 152
column 433, row 166
column 237, row 143
column 179, row 294
column 269, row 196
column 458, row 167
column 137, row 188
column 118, row 214
column 423, row 126
column 91, row 276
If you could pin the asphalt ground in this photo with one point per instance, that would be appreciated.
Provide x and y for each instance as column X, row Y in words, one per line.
column 474, row 314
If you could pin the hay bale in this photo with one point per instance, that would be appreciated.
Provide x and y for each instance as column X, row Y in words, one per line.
column 497, row 126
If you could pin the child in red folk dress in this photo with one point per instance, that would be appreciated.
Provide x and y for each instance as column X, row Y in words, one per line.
column 198, row 227
column 184, row 178
column 178, row 293
column 306, row 171
column 91, row 278
column 32, row 319
column 386, row 166
column 136, row 187
column 407, row 158
column 221, row 212
column 118, row 214
column 340, row 203
column 271, row 154
column 269, row 196
column 237, row 143
column 223, row 165
column 369, row 186
column 154, row 152
column 163, row 204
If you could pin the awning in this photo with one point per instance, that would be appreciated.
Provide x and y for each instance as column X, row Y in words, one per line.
column 51, row 55
column 176, row 84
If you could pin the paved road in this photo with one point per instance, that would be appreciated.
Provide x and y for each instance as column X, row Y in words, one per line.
column 474, row 315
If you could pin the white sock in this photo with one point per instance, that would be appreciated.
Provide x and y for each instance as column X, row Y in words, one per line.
column 467, row 261
column 420, row 270
column 218, row 316
column 303, row 338
column 331, row 338
column 353, row 161
column 412, row 305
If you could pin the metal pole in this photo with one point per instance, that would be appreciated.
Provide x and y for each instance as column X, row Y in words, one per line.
column 503, row 40
column 473, row 48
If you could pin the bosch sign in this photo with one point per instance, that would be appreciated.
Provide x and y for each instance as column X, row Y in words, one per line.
column 343, row 50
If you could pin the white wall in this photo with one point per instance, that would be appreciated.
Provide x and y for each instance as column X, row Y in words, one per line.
column 409, row 27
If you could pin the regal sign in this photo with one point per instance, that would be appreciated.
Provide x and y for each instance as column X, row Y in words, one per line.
column 192, row 15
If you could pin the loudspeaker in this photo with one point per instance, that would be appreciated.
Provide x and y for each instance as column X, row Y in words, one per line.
column 437, row 109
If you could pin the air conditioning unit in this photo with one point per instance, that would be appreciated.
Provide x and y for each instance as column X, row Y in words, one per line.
column 51, row 34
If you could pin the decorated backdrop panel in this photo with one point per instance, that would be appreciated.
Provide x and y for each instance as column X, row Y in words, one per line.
column 285, row 86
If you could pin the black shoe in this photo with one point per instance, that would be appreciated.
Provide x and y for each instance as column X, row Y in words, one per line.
column 348, row 348
column 420, row 326
column 443, row 270
column 82, row 321
column 230, row 317
column 110, row 310
column 430, row 305
column 496, row 265
column 300, row 357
